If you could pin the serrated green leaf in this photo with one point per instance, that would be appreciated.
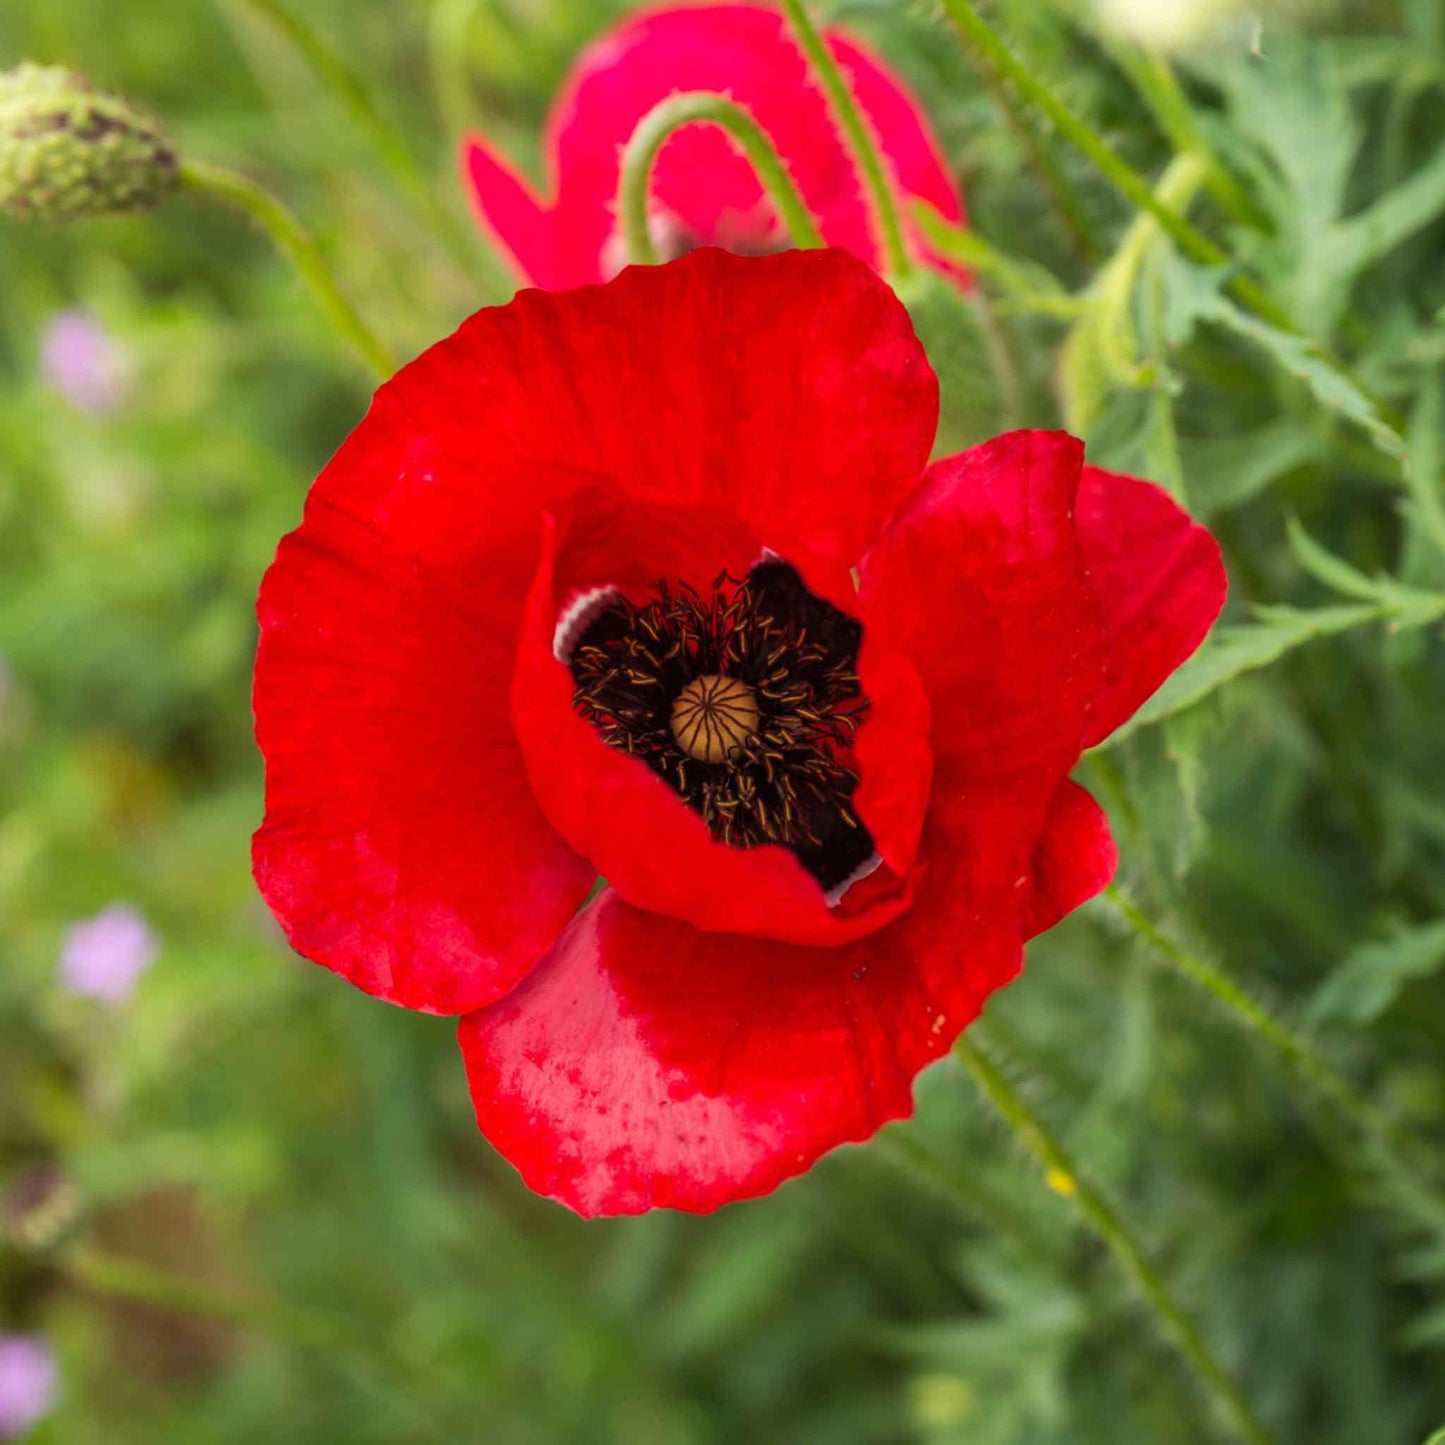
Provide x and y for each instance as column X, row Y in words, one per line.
column 1194, row 296
column 1423, row 471
column 1246, row 647
column 1227, row 471
column 1371, row 978
column 1327, row 569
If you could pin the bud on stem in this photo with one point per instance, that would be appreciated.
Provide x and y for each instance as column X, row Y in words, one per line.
column 68, row 152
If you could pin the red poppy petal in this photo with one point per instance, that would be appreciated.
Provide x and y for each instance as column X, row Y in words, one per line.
column 401, row 846
column 509, row 210
column 645, row 1064
column 1075, row 860
column 1160, row 581
column 788, row 390
column 656, row 851
column 979, row 580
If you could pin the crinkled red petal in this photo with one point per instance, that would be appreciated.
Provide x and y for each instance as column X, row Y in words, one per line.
column 1160, row 581
column 402, row 847
column 645, row 1063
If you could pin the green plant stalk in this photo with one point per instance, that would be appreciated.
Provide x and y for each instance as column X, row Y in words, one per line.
column 861, row 141
column 1134, row 188
column 370, row 1363
column 355, row 97
column 1158, row 87
column 218, row 183
column 1063, row 1177
column 1258, row 1021
column 640, row 155
column 1114, row 286
column 1131, row 185
column 1040, row 153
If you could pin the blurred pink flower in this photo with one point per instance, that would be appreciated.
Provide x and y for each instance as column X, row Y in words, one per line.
column 80, row 360
column 704, row 191
column 105, row 955
column 27, row 1383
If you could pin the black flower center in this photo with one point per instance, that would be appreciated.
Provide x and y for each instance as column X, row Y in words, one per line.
column 745, row 702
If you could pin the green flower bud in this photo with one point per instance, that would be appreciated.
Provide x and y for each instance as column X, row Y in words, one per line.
column 68, row 152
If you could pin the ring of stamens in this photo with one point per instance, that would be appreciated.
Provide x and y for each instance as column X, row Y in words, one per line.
column 744, row 702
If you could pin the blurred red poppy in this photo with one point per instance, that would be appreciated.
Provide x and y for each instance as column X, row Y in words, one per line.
column 653, row 580
column 705, row 191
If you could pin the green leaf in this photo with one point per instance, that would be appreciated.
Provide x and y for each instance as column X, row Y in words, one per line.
column 1194, row 296
column 1233, row 651
column 1227, row 471
column 1371, row 978
column 1327, row 569
column 1425, row 470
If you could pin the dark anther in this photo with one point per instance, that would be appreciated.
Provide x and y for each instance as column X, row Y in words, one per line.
column 745, row 702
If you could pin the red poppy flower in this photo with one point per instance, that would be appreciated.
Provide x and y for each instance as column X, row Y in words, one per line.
column 704, row 189
column 653, row 581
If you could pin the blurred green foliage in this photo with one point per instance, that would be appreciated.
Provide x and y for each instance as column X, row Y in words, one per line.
column 251, row 1126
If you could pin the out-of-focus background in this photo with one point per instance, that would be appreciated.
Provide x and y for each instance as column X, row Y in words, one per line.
column 245, row 1202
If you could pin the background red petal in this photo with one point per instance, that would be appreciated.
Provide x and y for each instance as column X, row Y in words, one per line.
column 702, row 181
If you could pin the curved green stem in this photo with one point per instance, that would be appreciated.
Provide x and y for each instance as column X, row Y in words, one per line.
column 652, row 131
column 243, row 194
column 1063, row 1178
column 1024, row 284
column 897, row 260
column 1257, row 1020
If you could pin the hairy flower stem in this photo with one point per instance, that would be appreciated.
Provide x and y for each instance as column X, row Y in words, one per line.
column 886, row 218
column 1063, row 1178
column 1082, row 136
column 1040, row 154
column 1257, row 1020
column 243, row 194
column 640, row 155
column 1158, row 87
column 1127, row 181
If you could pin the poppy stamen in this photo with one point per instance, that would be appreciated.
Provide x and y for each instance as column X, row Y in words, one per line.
column 745, row 702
